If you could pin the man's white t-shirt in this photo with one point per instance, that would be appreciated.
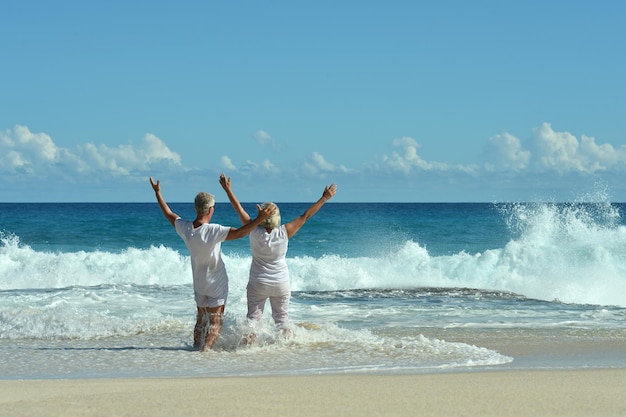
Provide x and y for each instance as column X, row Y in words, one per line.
column 205, row 247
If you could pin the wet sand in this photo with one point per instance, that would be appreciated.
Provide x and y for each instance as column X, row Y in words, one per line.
column 475, row 393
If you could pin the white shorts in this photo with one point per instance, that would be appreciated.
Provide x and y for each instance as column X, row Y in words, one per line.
column 211, row 302
column 279, row 295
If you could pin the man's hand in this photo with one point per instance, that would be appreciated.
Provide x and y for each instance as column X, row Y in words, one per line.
column 225, row 182
column 266, row 212
column 155, row 186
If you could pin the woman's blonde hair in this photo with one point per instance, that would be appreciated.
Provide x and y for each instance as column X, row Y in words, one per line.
column 271, row 222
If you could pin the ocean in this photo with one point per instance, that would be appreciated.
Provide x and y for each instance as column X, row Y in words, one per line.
column 90, row 290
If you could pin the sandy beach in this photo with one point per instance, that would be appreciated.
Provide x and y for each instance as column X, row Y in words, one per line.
column 482, row 393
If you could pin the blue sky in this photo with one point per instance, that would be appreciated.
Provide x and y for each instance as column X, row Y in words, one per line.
column 393, row 101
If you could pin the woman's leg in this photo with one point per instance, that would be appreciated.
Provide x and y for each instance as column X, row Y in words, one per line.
column 257, row 297
column 279, row 301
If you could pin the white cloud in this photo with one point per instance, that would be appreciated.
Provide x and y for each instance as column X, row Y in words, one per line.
column 250, row 167
column 269, row 166
column 407, row 159
column 265, row 167
column 601, row 157
column 549, row 151
column 505, row 152
column 13, row 159
column 319, row 165
column 124, row 159
column 38, row 145
column 527, row 164
column 263, row 138
column 26, row 151
column 155, row 149
column 36, row 154
column 555, row 151
column 227, row 163
column 5, row 139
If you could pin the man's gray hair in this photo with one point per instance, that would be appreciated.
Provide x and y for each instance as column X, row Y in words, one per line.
column 203, row 202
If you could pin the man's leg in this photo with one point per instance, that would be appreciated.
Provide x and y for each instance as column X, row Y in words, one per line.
column 215, row 320
column 198, row 330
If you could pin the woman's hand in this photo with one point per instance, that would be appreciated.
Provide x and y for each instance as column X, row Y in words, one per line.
column 329, row 191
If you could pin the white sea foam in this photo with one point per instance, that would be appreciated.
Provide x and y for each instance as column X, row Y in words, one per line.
column 571, row 253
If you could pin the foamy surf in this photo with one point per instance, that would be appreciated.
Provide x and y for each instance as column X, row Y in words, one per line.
column 431, row 287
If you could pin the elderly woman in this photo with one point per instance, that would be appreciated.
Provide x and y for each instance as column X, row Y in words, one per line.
column 269, row 275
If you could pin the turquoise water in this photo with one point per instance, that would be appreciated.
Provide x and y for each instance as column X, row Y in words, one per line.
column 94, row 290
